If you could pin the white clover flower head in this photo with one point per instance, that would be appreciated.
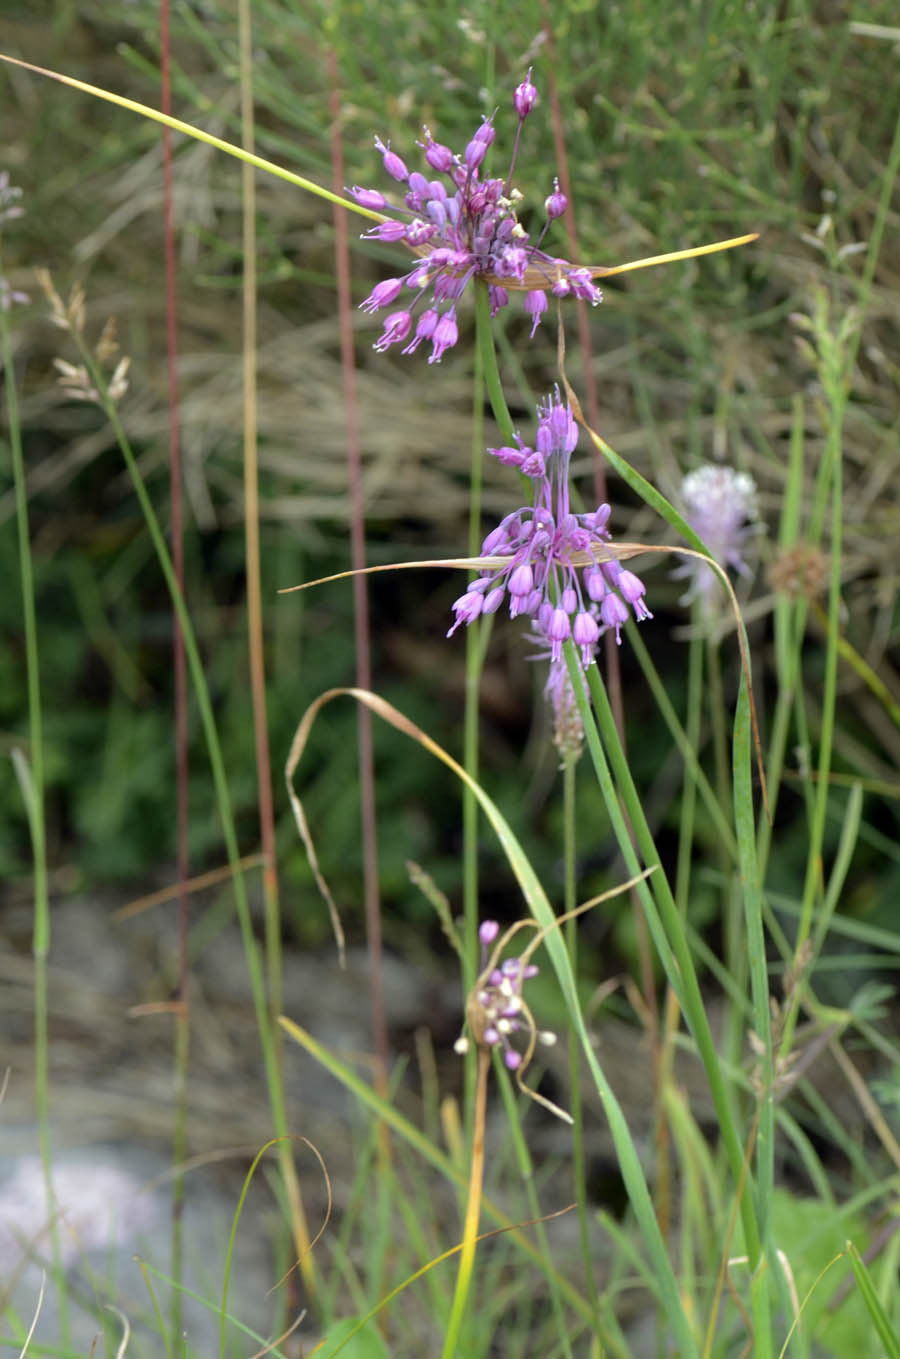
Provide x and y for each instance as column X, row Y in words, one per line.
column 721, row 506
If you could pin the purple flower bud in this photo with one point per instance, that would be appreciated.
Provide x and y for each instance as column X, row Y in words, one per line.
column 498, row 297
column 614, row 614
column 388, row 231
column 510, row 457
column 519, row 585
column 524, row 96
column 497, row 538
column 569, row 599
column 535, row 306
column 563, row 427
column 418, row 184
column 599, row 520
column 534, row 466
column 382, row 294
column 585, row 633
column 596, row 585
column 467, row 608
column 493, row 599
column 439, row 157
column 392, row 162
column 396, row 328
column 512, row 1059
column 488, row 931
column 556, row 203
column 446, row 333
column 558, row 631
column 633, row 589
column 437, row 211
column 485, row 133
column 475, row 153
column 424, row 330
column 367, row 198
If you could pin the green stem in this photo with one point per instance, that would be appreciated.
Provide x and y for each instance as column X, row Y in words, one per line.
column 31, row 774
column 484, row 339
column 526, row 1171
column 575, row 1105
column 663, row 918
column 473, row 1209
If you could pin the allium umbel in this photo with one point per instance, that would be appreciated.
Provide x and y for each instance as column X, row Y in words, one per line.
column 465, row 229
column 496, row 1011
column 543, row 544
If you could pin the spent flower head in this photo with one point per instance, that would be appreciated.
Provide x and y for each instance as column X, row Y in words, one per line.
column 463, row 227
column 543, row 546
column 721, row 507
column 568, row 728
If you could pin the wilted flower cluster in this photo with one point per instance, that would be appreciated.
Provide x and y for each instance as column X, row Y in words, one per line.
column 496, row 1010
column 721, row 507
column 568, row 728
column 460, row 230
column 544, row 546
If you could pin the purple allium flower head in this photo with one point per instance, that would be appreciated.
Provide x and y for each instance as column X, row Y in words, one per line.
column 496, row 1009
column 544, row 544
column 721, row 507
column 468, row 228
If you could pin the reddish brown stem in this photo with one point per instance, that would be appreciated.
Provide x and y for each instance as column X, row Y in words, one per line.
column 360, row 588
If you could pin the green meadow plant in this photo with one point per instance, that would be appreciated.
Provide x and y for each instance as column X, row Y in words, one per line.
column 723, row 1253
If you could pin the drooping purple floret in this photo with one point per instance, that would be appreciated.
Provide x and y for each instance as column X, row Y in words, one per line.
column 467, row 230
column 542, row 543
